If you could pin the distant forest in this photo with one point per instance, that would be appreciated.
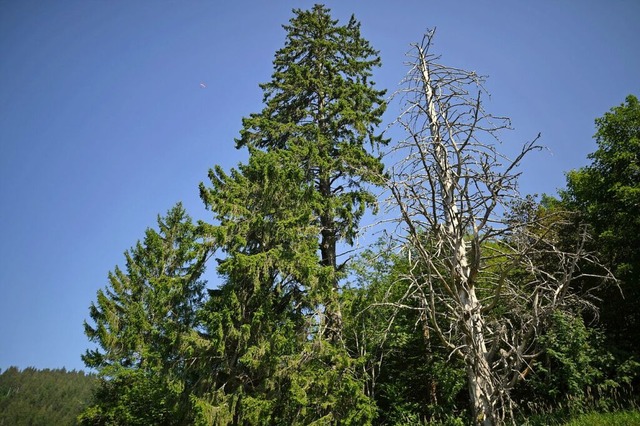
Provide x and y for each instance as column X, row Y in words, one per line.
column 44, row 397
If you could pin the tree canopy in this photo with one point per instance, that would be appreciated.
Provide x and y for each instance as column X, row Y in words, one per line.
column 473, row 306
column 606, row 193
column 44, row 397
column 143, row 322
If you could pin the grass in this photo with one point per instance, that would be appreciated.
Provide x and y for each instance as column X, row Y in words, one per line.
column 620, row 418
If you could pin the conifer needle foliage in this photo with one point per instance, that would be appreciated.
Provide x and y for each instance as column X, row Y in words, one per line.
column 276, row 326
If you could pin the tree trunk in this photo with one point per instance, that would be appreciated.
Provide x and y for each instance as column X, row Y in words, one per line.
column 328, row 249
column 481, row 388
column 479, row 378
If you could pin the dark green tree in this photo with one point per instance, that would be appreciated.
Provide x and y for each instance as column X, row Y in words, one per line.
column 606, row 194
column 322, row 107
column 143, row 325
column 275, row 325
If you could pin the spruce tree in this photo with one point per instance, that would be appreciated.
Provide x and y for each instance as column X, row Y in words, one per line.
column 275, row 329
column 143, row 323
column 256, row 321
column 322, row 107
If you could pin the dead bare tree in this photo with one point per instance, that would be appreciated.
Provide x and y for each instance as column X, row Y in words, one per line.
column 470, row 255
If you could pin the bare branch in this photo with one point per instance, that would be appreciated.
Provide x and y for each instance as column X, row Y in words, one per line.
column 472, row 242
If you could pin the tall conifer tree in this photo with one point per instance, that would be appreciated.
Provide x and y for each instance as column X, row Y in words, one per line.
column 321, row 106
column 143, row 322
column 276, row 352
column 257, row 321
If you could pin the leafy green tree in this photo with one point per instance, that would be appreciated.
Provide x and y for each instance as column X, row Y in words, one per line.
column 143, row 323
column 607, row 195
column 275, row 326
column 568, row 370
column 408, row 373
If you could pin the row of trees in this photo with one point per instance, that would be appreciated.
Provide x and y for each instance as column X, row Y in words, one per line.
column 474, row 288
column 44, row 397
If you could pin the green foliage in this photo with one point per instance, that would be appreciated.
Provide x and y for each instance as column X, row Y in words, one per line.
column 569, row 365
column 576, row 373
column 255, row 320
column 265, row 349
column 607, row 195
column 321, row 107
column 410, row 376
column 144, row 321
column 274, row 328
column 43, row 397
column 133, row 397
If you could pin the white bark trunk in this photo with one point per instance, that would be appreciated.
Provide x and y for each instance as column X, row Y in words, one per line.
column 481, row 388
column 450, row 182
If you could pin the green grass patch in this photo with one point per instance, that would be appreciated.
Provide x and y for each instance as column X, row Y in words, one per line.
column 620, row 418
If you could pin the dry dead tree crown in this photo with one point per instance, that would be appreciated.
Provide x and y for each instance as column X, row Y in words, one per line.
column 486, row 267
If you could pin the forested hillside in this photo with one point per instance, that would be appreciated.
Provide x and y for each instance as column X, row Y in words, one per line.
column 44, row 397
column 477, row 304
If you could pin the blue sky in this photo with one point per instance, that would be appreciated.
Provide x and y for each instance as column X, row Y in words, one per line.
column 104, row 124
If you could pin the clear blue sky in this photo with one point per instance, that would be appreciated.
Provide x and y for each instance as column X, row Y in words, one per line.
column 103, row 123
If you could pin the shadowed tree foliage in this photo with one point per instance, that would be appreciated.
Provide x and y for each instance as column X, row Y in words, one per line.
column 606, row 194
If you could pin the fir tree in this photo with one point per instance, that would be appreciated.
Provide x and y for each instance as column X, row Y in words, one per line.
column 143, row 323
column 321, row 106
column 275, row 326
column 256, row 321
